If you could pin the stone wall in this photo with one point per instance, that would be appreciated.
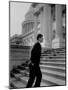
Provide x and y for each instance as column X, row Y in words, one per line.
column 18, row 55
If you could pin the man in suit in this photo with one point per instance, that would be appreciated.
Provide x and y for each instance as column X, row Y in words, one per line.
column 34, row 68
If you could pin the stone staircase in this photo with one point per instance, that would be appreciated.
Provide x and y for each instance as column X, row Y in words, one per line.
column 53, row 67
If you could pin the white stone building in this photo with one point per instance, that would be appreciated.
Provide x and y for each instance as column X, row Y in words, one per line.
column 47, row 19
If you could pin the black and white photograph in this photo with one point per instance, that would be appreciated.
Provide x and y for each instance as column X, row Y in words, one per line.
column 37, row 44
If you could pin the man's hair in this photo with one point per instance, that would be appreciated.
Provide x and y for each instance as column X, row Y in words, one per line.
column 39, row 36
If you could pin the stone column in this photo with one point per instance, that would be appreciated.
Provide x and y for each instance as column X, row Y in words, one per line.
column 46, row 25
column 27, row 27
column 35, row 29
column 30, row 26
column 23, row 29
column 58, row 15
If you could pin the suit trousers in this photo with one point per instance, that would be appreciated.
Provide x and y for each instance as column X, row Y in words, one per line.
column 34, row 75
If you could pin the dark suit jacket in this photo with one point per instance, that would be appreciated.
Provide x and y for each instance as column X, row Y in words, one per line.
column 36, row 53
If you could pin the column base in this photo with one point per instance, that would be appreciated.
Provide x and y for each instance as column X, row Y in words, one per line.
column 46, row 45
column 58, row 43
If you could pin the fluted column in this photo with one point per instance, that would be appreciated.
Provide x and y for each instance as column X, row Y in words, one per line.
column 46, row 25
column 30, row 26
column 35, row 29
column 58, row 15
column 26, row 28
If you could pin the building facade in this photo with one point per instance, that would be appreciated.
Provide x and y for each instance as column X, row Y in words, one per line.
column 47, row 19
column 16, row 40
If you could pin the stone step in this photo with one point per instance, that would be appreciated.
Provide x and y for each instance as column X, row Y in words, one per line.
column 44, row 62
column 12, row 86
column 18, row 84
column 51, row 76
column 46, row 52
column 57, row 49
column 53, row 79
column 49, row 83
column 43, row 82
column 24, row 54
column 11, row 79
column 60, row 61
column 62, row 52
column 53, row 68
column 53, row 64
column 43, row 54
column 59, row 75
column 27, row 56
column 19, row 50
column 20, row 57
column 53, row 56
column 26, row 73
column 18, row 75
column 55, row 74
column 46, row 81
column 26, row 80
column 20, row 54
column 54, row 52
column 51, row 72
column 44, row 58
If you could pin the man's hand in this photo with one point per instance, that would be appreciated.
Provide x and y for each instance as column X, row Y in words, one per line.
column 32, row 64
column 29, row 62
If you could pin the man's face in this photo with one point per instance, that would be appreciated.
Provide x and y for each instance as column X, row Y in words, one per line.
column 41, row 39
